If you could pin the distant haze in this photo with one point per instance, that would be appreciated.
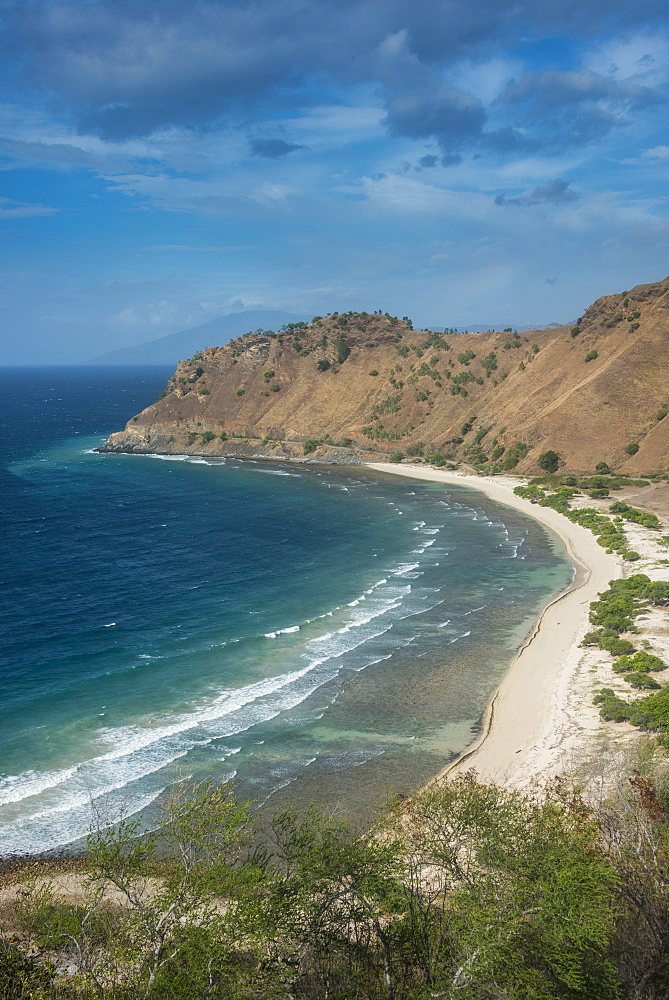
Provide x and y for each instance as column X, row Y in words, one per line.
column 174, row 347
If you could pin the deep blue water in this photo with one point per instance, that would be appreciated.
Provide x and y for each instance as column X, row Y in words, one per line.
column 318, row 633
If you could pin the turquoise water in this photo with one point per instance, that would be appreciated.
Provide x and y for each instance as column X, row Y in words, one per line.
column 315, row 633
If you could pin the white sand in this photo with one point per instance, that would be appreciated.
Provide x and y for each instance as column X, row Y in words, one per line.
column 541, row 719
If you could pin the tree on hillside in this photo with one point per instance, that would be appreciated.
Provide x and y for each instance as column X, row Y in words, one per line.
column 549, row 461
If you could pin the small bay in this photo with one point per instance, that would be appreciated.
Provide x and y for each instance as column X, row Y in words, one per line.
column 315, row 633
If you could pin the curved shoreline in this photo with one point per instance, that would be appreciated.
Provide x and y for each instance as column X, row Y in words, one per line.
column 525, row 726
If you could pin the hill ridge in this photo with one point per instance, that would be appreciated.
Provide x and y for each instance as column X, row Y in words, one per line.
column 351, row 384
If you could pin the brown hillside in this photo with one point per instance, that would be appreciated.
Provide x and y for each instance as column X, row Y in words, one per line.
column 411, row 391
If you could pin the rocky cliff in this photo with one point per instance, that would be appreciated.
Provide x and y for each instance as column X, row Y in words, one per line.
column 347, row 385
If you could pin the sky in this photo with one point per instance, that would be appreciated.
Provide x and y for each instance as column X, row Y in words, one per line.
column 163, row 163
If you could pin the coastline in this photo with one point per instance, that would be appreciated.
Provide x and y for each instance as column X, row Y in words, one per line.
column 532, row 727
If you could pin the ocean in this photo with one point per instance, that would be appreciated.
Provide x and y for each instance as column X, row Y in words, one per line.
column 314, row 633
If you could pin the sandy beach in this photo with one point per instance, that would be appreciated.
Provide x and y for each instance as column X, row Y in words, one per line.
column 541, row 719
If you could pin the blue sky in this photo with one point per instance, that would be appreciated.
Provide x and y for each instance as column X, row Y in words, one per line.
column 164, row 162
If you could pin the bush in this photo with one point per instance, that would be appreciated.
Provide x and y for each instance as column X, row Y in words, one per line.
column 373, row 372
column 274, row 387
column 207, row 436
column 616, row 646
column 575, row 330
column 396, row 457
column 602, row 468
column 223, row 436
column 240, row 392
column 342, row 350
column 310, row 445
column 323, row 365
column 641, row 681
column 613, row 709
column 514, row 454
column 642, row 662
column 23, row 978
column 415, row 449
column 632, row 448
column 590, row 356
column 549, row 461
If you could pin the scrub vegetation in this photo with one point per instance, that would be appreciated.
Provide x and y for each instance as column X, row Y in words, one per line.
column 466, row 891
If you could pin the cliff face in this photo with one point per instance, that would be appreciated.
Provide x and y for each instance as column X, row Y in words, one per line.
column 358, row 383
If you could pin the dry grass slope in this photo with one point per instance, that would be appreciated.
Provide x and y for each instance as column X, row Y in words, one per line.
column 588, row 392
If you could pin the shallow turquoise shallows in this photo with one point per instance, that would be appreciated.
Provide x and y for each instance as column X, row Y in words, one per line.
column 319, row 634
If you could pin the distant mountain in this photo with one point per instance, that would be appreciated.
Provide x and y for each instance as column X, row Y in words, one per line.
column 174, row 347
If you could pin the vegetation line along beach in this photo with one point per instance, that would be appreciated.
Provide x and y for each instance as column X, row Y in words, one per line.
column 527, row 730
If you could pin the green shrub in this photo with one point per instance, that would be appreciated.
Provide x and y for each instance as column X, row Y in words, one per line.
column 391, row 404
column 602, row 468
column 489, row 363
column 323, row 365
column 310, row 445
column 513, row 455
column 464, row 357
column 267, row 375
column 613, row 709
column 342, row 351
column 549, row 461
column 632, row 448
column 396, row 456
column 24, row 978
column 575, row 330
column 240, row 392
column 223, row 436
column 274, row 387
column 616, row 646
column 638, row 680
column 373, row 372
column 415, row 449
column 207, row 436
column 642, row 662
column 590, row 356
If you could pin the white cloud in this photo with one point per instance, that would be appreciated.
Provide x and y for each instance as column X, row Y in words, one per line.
column 641, row 58
column 10, row 209
column 656, row 153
